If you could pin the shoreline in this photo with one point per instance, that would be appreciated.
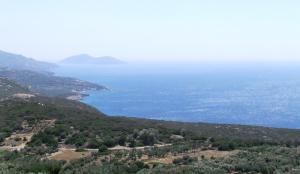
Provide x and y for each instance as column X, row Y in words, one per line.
column 80, row 95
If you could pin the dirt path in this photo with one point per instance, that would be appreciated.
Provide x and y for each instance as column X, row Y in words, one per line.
column 118, row 147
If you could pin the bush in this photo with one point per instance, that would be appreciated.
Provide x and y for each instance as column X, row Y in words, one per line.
column 44, row 138
column 122, row 140
column 52, row 167
column 109, row 142
column 77, row 139
column 148, row 136
column 93, row 144
column 184, row 160
column 102, row 148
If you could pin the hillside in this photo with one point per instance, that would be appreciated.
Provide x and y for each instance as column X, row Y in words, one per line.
column 88, row 119
column 20, row 62
column 53, row 135
column 91, row 123
column 9, row 88
column 48, row 84
column 126, row 145
column 90, row 60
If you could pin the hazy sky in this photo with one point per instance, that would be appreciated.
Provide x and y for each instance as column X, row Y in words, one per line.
column 149, row 30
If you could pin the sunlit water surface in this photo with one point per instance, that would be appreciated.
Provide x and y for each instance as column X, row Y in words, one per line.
column 267, row 95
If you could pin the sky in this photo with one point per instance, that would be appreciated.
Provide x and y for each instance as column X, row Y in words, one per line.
column 152, row 30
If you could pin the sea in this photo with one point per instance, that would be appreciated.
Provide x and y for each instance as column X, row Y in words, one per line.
column 254, row 93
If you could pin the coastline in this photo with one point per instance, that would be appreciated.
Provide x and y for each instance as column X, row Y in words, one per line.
column 80, row 95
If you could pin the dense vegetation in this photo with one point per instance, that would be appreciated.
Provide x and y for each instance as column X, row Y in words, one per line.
column 83, row 126
column 263, row 159
column 254, row 160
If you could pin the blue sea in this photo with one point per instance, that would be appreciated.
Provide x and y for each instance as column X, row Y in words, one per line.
column 252, row 94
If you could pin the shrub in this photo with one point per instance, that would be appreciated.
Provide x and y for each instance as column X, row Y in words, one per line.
column 103, row 148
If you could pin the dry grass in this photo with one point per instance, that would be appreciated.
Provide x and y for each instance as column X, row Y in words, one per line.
column 68, row 154
column 199, row 154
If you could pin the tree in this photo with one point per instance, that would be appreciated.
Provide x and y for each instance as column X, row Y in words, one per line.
column 102, row 148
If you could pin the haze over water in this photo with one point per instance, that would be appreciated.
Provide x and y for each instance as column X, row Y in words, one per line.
column 255, row 94
column 169, row 31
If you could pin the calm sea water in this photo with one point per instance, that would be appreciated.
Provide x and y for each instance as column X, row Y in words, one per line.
column 253, row 95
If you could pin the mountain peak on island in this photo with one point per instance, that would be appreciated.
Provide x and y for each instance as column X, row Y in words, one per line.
column 88, row 59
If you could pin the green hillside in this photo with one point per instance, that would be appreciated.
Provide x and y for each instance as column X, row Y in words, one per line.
column 9, row 88
column 82, row 127
column 47, row 84
column 20, row 62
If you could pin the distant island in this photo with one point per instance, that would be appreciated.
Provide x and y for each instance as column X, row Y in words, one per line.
column 90, row 60
column 36, row 76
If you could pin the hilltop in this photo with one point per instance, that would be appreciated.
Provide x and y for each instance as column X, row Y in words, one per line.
column 20, row 62
column 82, row 59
